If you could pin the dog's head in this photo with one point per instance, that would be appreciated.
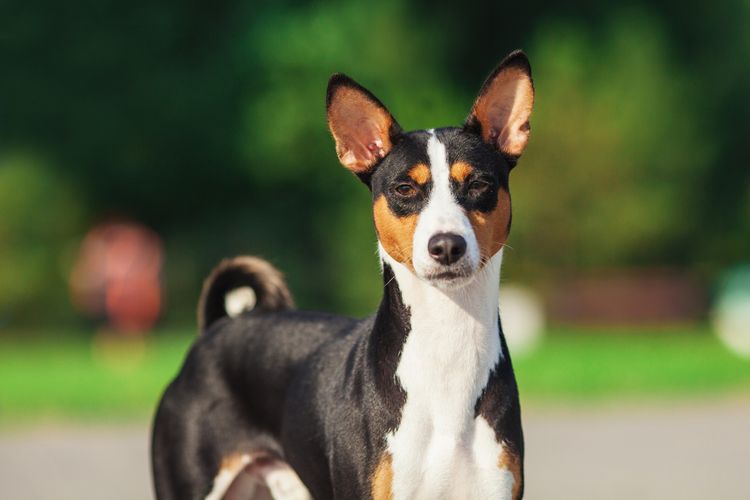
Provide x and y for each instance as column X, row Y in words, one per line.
column 440, row 197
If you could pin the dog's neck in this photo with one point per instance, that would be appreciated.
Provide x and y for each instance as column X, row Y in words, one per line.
column 443, row 343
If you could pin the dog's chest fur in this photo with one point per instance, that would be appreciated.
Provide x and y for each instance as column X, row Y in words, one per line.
column 441, row 448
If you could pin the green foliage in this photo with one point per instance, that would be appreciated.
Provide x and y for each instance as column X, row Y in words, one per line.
column 285, row 141
column 616, row 156
column 39, row 215
column 206, row 122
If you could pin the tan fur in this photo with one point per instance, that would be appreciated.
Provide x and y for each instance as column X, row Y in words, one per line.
column 504, row 109
column 396, row 234
column 420, row 173
column 511, row 462
column 491, row 229
column 461, row 170
column 381, row 482
column 357, row 122
column 231, row 478
column 233, row 462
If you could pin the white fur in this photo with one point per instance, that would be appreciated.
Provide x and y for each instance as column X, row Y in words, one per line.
column 440, row 450
column 239, row 300
column 442, row 214
column 225, row 477
column 279, row 478
column 285, row 484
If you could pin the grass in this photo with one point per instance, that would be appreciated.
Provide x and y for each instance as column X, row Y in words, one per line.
column 617, row 365
column 72, row 377
column 69, row 377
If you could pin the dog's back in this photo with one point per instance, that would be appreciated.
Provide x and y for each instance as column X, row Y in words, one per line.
column 222, row 411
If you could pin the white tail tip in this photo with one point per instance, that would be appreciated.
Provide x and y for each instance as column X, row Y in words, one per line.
column 239, row 300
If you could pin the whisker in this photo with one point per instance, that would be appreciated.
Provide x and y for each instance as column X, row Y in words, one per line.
column 389, row 281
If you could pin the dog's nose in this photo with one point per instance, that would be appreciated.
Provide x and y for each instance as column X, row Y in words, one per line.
column 446, row 248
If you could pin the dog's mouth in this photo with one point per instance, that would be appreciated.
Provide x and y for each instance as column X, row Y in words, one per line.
column 449, row 278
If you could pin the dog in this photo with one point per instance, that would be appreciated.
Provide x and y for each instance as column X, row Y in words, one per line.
column 419, row 400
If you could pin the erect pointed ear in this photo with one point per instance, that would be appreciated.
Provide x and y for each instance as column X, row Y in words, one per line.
column 502, row 110
column 363, row 128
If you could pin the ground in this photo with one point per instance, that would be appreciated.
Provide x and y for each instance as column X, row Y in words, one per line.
column 689, row 451
column 651, row 415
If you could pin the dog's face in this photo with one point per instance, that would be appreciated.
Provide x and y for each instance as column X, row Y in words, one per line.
column 441, row 203
column 440, row 197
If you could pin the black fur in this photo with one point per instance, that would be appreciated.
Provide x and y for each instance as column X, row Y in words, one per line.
column 499, row 406
column 490, row 167
column 393, row 170
column 270, row 289
column 316, row 390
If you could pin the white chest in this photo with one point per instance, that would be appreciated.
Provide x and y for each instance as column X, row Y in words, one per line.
column 431, row 465
column 440, row 450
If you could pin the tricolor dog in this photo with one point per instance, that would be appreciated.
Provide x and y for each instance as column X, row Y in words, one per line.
column 418, row 401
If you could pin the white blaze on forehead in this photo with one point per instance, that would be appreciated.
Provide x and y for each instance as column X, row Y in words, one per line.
column 442, row 214
column 439, row 163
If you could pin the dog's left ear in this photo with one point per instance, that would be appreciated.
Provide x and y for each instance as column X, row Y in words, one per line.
column 501, row 112
column 362, row 127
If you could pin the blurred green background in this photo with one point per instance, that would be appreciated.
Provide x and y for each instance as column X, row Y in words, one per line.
column 205, row 122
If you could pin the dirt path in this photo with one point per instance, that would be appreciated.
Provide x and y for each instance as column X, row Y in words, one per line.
column 686, row 451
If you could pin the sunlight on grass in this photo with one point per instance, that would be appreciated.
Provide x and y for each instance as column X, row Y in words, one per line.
column 58, row 378
column 622, row 365
column 109, row 379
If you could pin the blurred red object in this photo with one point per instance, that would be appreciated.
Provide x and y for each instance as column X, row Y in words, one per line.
column 117, row 276
column 629, row 297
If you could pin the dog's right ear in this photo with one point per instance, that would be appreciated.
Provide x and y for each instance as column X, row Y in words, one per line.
column 363, row 128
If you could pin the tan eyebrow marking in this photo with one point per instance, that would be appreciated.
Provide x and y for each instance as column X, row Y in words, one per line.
column 461, row 170
column 420, row 173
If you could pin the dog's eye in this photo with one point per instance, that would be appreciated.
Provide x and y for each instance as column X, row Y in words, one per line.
column 478, row 187
column 405, row 190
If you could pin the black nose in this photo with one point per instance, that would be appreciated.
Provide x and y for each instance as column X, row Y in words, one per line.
column 446, row 248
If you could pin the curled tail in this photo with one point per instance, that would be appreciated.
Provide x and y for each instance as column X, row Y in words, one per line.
column 242, row 284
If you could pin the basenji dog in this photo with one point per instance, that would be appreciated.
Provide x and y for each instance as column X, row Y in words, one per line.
column 419, row 400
